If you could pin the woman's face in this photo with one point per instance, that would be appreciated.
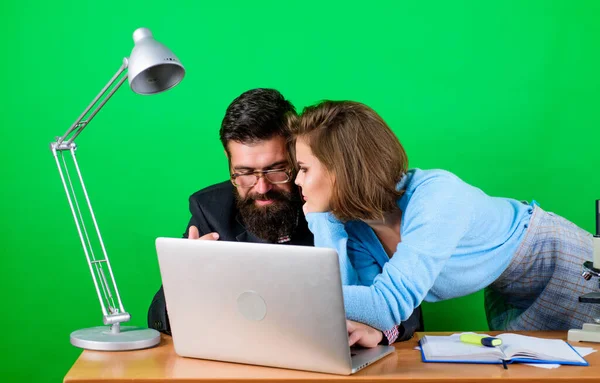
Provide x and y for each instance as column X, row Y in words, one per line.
column 315, row 182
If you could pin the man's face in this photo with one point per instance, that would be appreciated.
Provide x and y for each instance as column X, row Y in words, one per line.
column 269, row 210
column 265, row 155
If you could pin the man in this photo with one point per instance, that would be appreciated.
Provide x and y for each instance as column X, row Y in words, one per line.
column 260, row 203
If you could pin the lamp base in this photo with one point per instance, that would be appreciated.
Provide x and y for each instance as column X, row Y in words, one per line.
column 103, row 338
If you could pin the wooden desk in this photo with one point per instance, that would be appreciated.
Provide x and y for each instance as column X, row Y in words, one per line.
column 162, row 364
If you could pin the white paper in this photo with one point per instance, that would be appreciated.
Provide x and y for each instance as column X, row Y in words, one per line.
column 583, row 351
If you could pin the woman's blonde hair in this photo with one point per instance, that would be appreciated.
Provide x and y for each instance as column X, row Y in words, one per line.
column 355, row 145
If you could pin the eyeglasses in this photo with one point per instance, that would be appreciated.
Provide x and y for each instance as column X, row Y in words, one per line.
column 274, row 176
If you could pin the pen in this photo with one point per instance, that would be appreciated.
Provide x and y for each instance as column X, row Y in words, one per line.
column 482, row 340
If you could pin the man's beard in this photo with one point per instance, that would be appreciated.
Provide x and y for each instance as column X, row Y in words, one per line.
column 273, row 221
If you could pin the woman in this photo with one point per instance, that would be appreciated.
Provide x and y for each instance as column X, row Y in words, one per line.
column 404, row 236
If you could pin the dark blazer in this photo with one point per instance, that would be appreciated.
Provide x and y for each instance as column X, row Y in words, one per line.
column 214, row 210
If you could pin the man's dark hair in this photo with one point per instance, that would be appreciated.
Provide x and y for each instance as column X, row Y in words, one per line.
column 256, row 115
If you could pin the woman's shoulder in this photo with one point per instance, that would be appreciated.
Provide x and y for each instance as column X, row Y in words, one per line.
column 416, row 177
column 430, row 189
column 431, row 196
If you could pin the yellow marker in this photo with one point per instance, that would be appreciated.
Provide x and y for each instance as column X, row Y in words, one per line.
column 482, row 340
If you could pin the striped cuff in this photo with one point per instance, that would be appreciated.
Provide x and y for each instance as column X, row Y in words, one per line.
column 390, row 335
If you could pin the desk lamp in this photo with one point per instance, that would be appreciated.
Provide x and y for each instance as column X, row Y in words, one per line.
column 590, row 332
column 151, row 68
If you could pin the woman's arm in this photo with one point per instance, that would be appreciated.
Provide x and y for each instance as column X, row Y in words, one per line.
column 437, row 217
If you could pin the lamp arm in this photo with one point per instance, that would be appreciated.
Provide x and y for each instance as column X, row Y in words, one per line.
column 113, row 312
column 82, row 121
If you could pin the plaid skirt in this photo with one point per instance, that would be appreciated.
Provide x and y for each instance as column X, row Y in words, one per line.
column 540, row 289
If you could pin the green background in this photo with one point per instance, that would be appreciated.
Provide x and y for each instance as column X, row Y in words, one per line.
column 503, row 93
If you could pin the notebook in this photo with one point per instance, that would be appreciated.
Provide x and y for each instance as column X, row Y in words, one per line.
column 514, row 349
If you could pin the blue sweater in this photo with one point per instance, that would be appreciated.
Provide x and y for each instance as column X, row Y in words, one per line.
column 455, row 240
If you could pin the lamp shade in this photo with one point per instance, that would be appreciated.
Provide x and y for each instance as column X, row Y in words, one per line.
column 153, row 68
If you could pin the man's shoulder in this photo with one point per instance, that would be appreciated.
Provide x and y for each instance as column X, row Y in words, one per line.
column 220, row 191
column 218, row 199
column 215, row 206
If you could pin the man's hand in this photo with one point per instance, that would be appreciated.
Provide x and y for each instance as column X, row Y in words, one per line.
column 363, row 335
column 193, row 233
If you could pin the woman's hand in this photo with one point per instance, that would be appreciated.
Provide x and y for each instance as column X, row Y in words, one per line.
column 312, row 208
column 363, row 335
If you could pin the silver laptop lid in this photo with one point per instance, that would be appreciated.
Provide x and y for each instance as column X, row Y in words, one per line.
column 265, row 304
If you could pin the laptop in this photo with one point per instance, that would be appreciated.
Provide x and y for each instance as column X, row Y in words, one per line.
column 262, row 304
